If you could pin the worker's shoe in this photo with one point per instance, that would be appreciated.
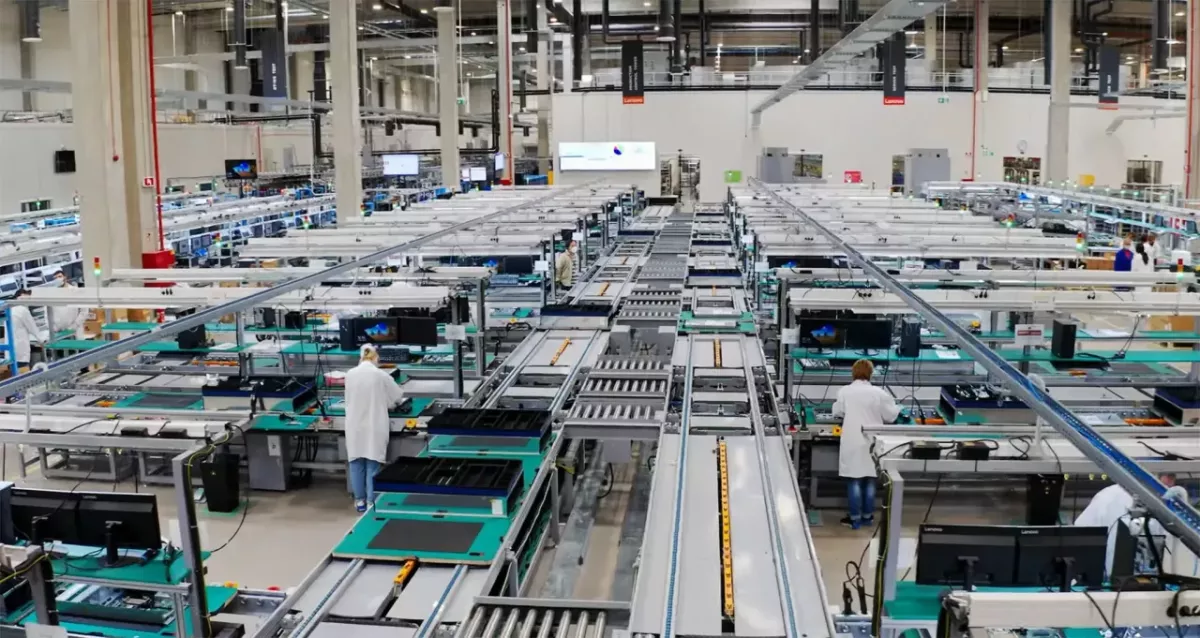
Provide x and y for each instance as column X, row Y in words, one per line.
column 851, row 523
column 868, row 521
column 361, row 506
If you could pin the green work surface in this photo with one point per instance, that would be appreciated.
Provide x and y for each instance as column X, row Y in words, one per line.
column 921, row 603
column 218, row 598
column 154, row 571
column 135, row 400
column 445, row 445
column 302, row 423
column 154, row 346
column 139, row 326
column 337, row 408
column 519, row 313
column 306, row 348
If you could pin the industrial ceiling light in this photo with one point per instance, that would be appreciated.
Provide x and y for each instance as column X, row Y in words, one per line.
column 228, row 9
column 1179, row 14
column 31, row 20
column 408, row 57
column 1005, row 47
column 376, row 7
column 424, row 10
column 1079, row 50
column 178, row 13
column 472, row 33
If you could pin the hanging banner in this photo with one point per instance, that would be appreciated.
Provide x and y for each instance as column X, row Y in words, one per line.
column 852, row 177
column 1110, row 76
column 274, row 64
column 632, row 78
column 894, row 61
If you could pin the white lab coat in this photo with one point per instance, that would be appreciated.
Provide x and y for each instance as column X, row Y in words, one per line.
column 1140, row 266
column 370, row 392
column 1108, row 506
column 25, row 330
column 564, row 269
column 70, row 317
column 861, row 404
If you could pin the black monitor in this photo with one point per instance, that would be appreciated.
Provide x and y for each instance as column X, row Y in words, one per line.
column 822, row 333
column 516, row 265
column 241, row 169
column 44, row 515
column 357, row 331
column 1054, row 556
column 204, row 187
column 418, row 331
column 967, row 555
column 64, row 161
column 119, row 521
column 866, row 335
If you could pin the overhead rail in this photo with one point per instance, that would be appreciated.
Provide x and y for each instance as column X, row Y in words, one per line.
column 892, row 17
column 1178, row 517
column 69, row 366
column 1090, row 196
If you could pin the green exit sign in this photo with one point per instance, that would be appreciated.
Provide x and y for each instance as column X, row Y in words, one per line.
column 945, row 99
column 462, row 100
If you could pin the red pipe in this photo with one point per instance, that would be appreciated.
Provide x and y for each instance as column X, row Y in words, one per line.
column 154, row 119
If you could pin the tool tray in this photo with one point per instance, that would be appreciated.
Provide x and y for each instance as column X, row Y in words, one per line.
column 491, row 422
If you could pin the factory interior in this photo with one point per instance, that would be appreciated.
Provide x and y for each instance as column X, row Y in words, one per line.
column 599, row 318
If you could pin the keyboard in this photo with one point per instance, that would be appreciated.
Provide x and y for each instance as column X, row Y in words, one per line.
column 394, row 354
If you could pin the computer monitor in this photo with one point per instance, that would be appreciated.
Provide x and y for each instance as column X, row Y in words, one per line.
column 1056, row 556
column 822, row 333
column 966, row 555
column 119, row 521
column 44, row 515
column 418, row 331
column 357, row 331
column 241, row 169
column 517, row 265
column 869, row 334
column 402, row 164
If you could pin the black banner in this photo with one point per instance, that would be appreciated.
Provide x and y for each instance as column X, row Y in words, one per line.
column 894, row 60
column 273, row 64
column 632, row 78
column 1110, row 76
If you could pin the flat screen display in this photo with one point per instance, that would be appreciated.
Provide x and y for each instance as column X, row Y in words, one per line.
column 606, row 156
column 402, row 164
column 64, row 161
column 241, row 169
column 478, row 174
column 499, row 161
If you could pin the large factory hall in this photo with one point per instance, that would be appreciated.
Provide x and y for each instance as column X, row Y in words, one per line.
column 599, row 319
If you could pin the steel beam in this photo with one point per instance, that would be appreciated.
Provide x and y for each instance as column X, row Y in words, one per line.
column 1178, row 517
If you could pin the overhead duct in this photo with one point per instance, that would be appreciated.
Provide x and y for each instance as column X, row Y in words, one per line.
column 665, row 27
column 814, row 31
column 1161, row 34
column 239, row 35
column 31, row 20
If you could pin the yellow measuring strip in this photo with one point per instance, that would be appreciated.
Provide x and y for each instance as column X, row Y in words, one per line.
column 726, row 542
column 717, row 353
column 561, row 349
column 604, row 289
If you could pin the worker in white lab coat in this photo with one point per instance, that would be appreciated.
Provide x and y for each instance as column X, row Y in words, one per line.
column 1113, row 504
column 25, row 331
column 564, row 266
column 861, row 404
column 370, row 393
column 69, row 317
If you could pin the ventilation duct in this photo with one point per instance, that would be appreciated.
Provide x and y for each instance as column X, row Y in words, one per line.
column 31, row 20
column 665, row 27
column 239, row 35
column 1160, row 34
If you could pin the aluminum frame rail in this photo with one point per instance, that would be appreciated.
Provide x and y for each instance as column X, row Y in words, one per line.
column 1093, row 198
column 1178, row 517
column 69, row 366
column 891, row 17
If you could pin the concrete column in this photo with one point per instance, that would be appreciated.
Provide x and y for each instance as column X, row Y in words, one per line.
column 302, row 79
column 347, row 135
column 1191, row 165
column 27, row 52
column 568, row 65
column 111, row 93
column 585, row 57
column 1058, row 133
column 545, row 48
column 448, row 94
column 504, row 75
column 931, row 42
column 982, row 48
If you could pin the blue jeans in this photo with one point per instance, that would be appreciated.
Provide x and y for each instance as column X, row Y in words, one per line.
column 362, row 479
column 861, row 493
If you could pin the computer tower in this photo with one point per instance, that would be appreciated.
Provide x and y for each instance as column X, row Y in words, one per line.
column 910, row 338
column 293, row 320
column 347, row 335
column 1043, row 499
column 1125, row 549
column 1062, row 342
column 192, row 338
column 220, row 478
column 268, row 318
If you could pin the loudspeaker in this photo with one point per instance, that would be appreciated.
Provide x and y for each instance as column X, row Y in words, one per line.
column 910, row 338
column 1043, row 498
column 1062, row 342
column 268, row 318
column 220, row 478
column 293, row 320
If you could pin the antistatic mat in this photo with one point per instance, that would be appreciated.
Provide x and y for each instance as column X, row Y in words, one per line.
column 426, row 536
column 487, row 442
column 163, row 401
column 434, row 538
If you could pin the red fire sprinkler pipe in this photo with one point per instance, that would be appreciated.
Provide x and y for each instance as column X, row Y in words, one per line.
column 154, row 120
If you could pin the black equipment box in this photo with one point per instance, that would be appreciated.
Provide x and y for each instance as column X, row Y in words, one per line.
column 1043, row 498
column 925, row 450
column 453, row 476
column 972, row 451
column 275, row 388
column 491, row 422
column 910, row 338
column 1062, row 342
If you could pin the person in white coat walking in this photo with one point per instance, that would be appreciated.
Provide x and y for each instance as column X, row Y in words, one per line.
column 25, row 332
column 861, row 404
column 370, row 392
column 69, row 318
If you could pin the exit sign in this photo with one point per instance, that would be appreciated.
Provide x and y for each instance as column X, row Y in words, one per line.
column 944, row 99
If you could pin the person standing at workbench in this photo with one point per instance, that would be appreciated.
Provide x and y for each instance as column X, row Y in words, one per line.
column 370, row 393
column 25, row 332
column 861, row 404
column 564, row 266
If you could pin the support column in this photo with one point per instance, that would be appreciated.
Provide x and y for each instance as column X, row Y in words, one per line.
column 27, row 52
column 1191, row 169
column 111, row 93
column 545, row 48
column 931, row 42
column 504, row 78
column 570, row 73
column 1058, row 130
column 343, row 68
column 447, row 68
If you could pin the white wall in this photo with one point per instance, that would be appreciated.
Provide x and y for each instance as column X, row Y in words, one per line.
column 10, row 52
column 854, row 131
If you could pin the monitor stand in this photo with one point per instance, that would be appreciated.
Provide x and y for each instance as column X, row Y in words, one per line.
column 1065, row 568
column 112, row 557
column 867, row 352
column 968, row 568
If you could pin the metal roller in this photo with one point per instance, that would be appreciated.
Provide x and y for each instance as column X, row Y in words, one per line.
column 582, row 627
column 510, row 625
column 564, row 624
column 601, row 621
column 468, row 629
column 492, row 624
column 547, row 624
column 528, row 624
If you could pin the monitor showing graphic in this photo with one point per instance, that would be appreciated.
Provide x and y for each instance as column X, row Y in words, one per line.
column 606, row 156
column 402, row 164
column 382, row 331
column 241, row 169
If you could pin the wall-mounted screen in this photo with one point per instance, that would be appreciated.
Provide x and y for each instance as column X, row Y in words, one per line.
column 402, row 164
column 478, row 174
column 499, row 162
column 606, row 156
column 64, row 161
column 241, row 169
